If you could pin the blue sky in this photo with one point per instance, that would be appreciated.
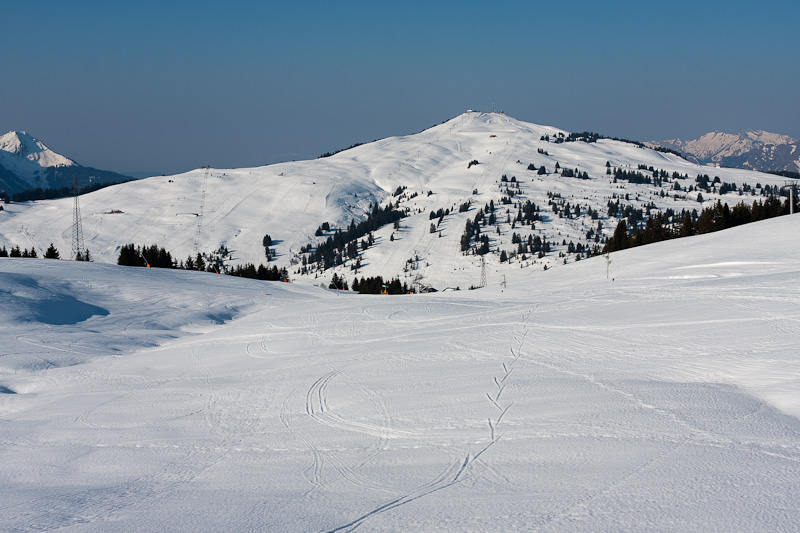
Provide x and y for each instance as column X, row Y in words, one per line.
column 170, row 86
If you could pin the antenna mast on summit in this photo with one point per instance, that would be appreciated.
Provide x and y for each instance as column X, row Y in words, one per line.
column 78, row 252
column 200, row 212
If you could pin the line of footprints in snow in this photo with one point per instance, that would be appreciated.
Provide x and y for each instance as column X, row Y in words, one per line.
column 500, row 384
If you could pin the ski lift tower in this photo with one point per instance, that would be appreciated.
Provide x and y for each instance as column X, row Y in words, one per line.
column 792, row 187
column 78, row 249
column 200, row 212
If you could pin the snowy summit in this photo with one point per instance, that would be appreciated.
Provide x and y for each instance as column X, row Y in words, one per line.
column 27, row 163
column 23, row 152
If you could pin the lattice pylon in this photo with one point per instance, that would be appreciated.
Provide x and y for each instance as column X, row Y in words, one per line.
column 200, row 212
column 78, row 249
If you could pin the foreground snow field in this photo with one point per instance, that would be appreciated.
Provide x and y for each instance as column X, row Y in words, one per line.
column 153, row 400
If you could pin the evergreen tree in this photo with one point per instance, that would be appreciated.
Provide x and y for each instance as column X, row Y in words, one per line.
column 52, row 253
column 620, row 239
column 130, row 255
column 705, row 224
column 337, row 282
column 687, row 228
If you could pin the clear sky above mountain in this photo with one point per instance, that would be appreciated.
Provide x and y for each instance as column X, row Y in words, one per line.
column 166, row 87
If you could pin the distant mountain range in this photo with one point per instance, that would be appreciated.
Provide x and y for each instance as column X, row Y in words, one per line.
column 752, row 149
column 26, row 163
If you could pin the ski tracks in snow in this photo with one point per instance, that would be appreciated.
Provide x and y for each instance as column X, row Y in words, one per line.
column 460, row 469
column 448, row 478
column 303, row 422
column 691, row 434
column 316, row 408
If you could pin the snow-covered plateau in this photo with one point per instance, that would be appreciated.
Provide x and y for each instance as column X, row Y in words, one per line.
column 657, row 392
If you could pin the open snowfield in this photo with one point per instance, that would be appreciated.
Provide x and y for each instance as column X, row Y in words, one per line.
column 155, row 400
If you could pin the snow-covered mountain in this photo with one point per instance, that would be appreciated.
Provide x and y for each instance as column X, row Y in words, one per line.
column 752, row 149
column 29, row 153
column 26, row 163
column 541, row 196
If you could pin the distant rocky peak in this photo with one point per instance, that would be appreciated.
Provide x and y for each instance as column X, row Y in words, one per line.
column 22, row 145
column 751, row 149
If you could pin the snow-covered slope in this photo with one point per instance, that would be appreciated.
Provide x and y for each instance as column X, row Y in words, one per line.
column 662, row 398
column 752, row 149
column 289, row 202
column 26, row 163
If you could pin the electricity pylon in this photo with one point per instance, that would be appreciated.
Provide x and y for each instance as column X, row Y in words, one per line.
column 78, row 250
